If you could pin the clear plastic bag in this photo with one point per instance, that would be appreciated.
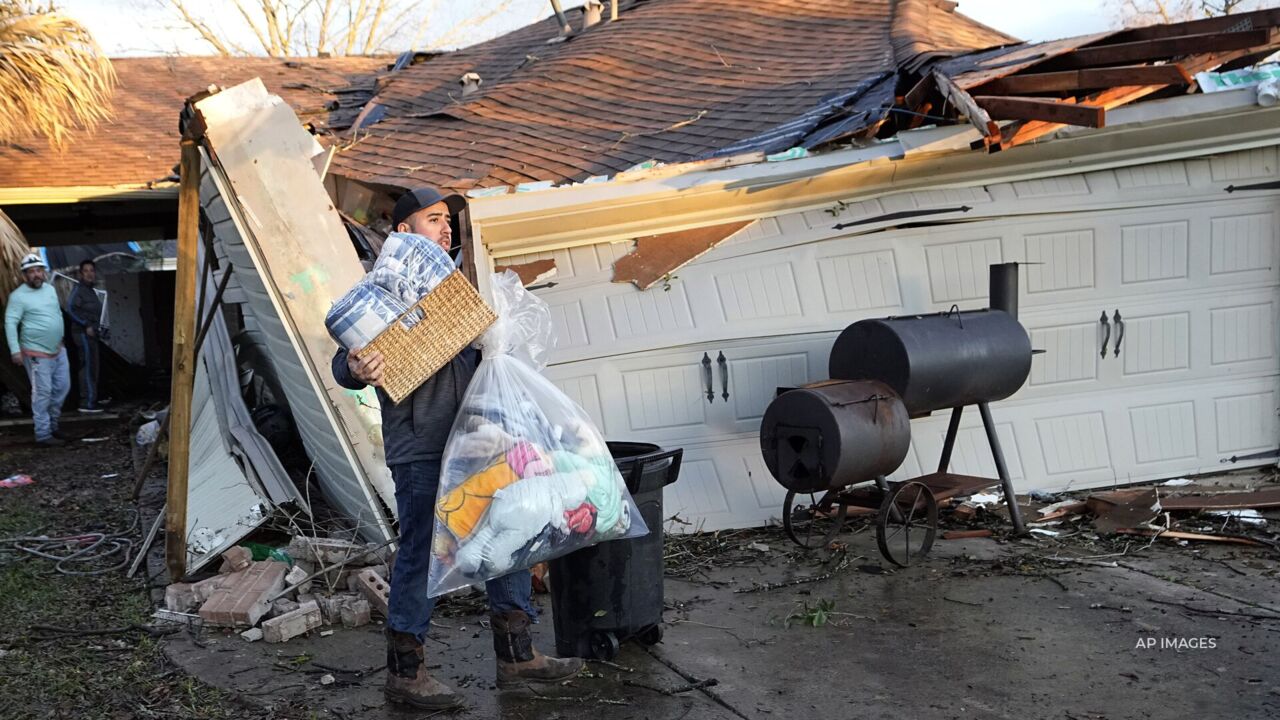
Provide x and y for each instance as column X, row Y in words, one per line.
column 526, row 477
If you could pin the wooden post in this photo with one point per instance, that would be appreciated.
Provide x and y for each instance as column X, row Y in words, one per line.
column 184, row 361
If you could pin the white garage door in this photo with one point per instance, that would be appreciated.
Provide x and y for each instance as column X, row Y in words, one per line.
column 1189, row 270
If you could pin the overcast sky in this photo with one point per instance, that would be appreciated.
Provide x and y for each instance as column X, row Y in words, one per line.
column 145, row 27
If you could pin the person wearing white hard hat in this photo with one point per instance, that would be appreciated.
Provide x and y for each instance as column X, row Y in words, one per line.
column 33, row 326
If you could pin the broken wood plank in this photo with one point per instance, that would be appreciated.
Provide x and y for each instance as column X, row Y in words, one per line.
column 1020, row 133
column 1221, row 24
column 1179, row 535
column 966, row 534
column 1161, row 48
column 1224, row 501
column 1088, row 79
column 965, row 104
column 657, row 256
column 1074, row 508
column 531, row 273
column 1003, row 107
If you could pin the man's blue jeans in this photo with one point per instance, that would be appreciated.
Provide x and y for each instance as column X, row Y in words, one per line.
column 410, row 608
column 50, row 382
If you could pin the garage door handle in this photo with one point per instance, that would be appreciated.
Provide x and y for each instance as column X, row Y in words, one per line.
column 706, row 377
column 1106, row 330
column 1119, row 332
column 724, row 376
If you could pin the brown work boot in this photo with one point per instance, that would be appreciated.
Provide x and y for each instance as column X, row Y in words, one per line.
column 518, row 662
column 408, row 682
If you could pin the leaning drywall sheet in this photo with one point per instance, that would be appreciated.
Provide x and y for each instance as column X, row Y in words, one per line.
column 292, row 257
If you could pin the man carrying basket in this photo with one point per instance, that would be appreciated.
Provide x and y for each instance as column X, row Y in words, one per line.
column 414, row 436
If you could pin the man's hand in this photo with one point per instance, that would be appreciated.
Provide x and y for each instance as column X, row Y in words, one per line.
column 91, row 331
column 16, row 358
column 367, row 369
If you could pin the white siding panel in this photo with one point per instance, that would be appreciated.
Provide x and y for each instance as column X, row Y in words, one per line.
column 1155, row 343
column 1164, row 432
column 1154, row 252
column 665, row 397
column 959, row 271
column 1242, row 333
column 650, row 312
column 1074, row 443
column 762, row 292
column 1242, row 243
column 1059, row 261
column 862, row 281
column 1246, row 422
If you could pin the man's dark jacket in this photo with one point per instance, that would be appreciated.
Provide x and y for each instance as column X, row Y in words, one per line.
column 85, row 307
column 418, row 428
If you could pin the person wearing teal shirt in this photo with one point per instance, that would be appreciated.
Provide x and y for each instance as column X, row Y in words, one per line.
column 33, row 326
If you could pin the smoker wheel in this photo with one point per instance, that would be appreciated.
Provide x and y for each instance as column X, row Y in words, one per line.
column 811, row 522
column 907, row 523
column 651, row 635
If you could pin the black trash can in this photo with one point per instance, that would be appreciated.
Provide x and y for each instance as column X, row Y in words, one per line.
column 606, row 594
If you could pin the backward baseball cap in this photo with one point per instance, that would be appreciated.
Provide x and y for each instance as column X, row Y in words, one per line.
column 421, row 199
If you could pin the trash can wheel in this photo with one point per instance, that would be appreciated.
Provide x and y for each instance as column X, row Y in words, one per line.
column 604, row 645
column 651, row 635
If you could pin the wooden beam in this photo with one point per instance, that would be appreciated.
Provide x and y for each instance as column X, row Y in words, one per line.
column 1117, row 96
column 967, row 107
column 1160, row 48
column 1221, row 24
column 657, row 256
column 184, row 361
column 1003, row 107
column 1087, row 79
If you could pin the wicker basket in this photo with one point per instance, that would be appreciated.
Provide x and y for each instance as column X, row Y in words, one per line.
column 454, row 315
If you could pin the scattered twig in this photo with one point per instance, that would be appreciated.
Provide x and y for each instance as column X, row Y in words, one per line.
column 1203, row 611
column 962, row 602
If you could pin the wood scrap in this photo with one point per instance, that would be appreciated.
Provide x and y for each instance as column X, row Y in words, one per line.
column 1269, row 498
column 1088, row 79
column 966, row 534
column 531, row 273
column 1179, row 535
column 657, row 256
column 1063, row 510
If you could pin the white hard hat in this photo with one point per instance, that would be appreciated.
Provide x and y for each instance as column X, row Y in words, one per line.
column 33, row 260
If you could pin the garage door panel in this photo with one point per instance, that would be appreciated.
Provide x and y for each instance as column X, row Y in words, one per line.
column 1245, row 423
column 1164, row 432
column 1154, row 343
column 1152, row 252
column 1243, row 247
column 1243, row 334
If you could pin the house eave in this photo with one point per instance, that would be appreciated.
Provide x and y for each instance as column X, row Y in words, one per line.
column 85, row 193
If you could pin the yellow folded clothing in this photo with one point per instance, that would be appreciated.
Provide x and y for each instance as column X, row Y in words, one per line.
column 461, row 508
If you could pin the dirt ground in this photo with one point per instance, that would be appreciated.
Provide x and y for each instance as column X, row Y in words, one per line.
column 1039, row 627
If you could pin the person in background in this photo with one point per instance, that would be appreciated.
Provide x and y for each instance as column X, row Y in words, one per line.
column 85, row 308
column 33, row 328
column 414, row 435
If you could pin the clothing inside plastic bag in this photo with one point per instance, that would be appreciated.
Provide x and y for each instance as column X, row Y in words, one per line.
column 526, row 477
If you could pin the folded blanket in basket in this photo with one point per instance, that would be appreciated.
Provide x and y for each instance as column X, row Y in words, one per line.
column 412, row 259
column 361, row 314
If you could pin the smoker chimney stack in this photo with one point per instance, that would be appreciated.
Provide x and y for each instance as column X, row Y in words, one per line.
column 1004, row 288
column 470, row 83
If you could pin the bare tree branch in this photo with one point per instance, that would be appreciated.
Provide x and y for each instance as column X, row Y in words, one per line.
column 206, row 33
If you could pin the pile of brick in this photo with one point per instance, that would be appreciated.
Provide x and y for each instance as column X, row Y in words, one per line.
column 269, row 600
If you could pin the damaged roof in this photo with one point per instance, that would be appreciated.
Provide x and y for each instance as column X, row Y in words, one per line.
column 670, row 80
column 140, row 144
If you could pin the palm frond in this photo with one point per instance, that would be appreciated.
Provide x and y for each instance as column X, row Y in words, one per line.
column 13, row 246
column 53, row 77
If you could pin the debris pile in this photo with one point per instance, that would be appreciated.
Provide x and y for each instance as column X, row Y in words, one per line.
column 1179, row 510
column 312, row 583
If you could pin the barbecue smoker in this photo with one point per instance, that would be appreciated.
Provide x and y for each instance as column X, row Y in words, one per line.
column 832, row 443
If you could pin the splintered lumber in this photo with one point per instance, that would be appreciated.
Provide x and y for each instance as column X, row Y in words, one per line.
column 1160, row 48
column 657, row 256
column 1179, row 535
column 1224, row 501
column 965, row 104
column 184, row 360
column 1088, row 79
column 1047, row 110
column 1220, row 24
